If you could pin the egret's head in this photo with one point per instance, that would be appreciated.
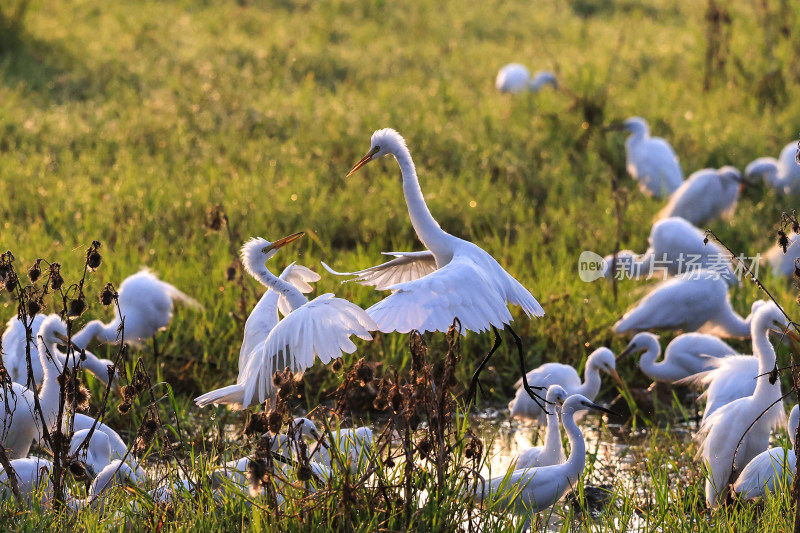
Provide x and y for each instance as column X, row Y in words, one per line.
column 384, row 142
column 636, row 125
column 603, row 359
column 760, row 169
column 729, row 173
column 640, row 342
column 258, row 250
column 556, row 395
column 53, row 330
column 305, row 428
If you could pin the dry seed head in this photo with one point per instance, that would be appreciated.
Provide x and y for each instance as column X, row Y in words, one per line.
column 108, row 295
column 783, row 240
column 76, row 307
column 230, row 273
column 124, row 408
column 364, row 372
column 56, row 280
column 256, row 425
column 35, row 272
column 128, row 393
column 337, row 365
column 304, row 473
column 275, row 421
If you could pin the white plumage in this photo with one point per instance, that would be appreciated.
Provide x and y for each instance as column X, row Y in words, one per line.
column 146, row 302
column 691, row 301
column 319, row 328
column 651, row 160
column 705, row 195
column 551, row 452
column 548, row 374
column 516, row 78
column 722, row 431
column 783, row 263
column 782, row 174
column 458, row 278
column 33, row 479
column 675, row 247
column 685, row 356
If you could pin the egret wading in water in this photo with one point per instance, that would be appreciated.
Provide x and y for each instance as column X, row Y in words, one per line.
column 675, row 247
column 551, row 452
column 650, row 160
column 535, row 489
column 516, row 78
column 782, row 174
column 705, row 195
column 146, row 304
column 737, row 432
column 319, row 328
column 694, row 301
column 452, row 279
column 600, row 360
column 686, row 355
column 771, row 470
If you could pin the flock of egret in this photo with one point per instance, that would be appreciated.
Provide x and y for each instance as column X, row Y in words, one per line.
column 455, row 279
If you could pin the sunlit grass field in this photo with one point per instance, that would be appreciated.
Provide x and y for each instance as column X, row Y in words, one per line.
column 126, row 122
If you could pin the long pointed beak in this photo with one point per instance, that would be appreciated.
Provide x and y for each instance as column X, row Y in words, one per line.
column 364, row 160
column 280, row 243
column 629, row 349
column 616, row 377
column 603, row 409
column 62, row 338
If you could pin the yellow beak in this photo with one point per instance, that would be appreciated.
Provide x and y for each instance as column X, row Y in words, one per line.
column 613, row 374
column 280, row 243
column 364, row 160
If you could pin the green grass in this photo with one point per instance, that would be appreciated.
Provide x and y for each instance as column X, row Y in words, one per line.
column 125, row 122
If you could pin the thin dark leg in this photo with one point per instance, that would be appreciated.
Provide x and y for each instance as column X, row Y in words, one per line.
column 475, row 383
column 541, row 402
column 155, row 353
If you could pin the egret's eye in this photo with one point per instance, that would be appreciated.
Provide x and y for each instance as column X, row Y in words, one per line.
column 376, row 149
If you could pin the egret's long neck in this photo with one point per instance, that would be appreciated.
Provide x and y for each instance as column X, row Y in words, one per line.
column 552, row 437
column 49, row 394
column 428, row 230
column 95, row 328
column 763, row 349
column 648, row 362
column 577, row 454
column 733, row 324
column 591, row 382
column 270, row 280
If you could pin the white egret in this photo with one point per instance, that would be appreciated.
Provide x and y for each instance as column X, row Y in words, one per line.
column 33, row 479
column 783, row 263
column 782, row 174
column 96, row 455
column 516, row 78
column 115, row 472
column 83, row 422
column 21, row 424
column 551, row 452
column 14, row 356
column 721, row 433
column 705, row 195
column 452, row 279
column 685, row 356
column 771, row 470
column 548, row 374
column 537, row 488
column 319, row 328
column 651, row 160
column 145, row 302
column 675, row 247
column 353, row 446
column 691, row 301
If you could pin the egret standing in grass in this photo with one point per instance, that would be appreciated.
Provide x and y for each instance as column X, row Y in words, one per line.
column 600, row 360
column 516, row 78
column 782, row 174
column 783, row 263
column 537, row 488
column 651, row 160
column 452, row 279
column 706, row 195
column 146, row 305
column 675, row 247
column 319, row 328
column 748, row 420
column 686, row 355
column 691, row 301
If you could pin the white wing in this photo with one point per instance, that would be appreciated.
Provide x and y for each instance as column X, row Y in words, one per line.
column 407, row 266
column 321, row 328
column 459, row 289
column 264, row 315
column 695, row 199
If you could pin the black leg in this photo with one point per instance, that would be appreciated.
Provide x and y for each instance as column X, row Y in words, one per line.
column 475, row 383
column 541, row 402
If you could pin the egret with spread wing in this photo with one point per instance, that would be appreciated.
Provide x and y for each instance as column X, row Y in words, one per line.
column 453, row 279
column 319, row 328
